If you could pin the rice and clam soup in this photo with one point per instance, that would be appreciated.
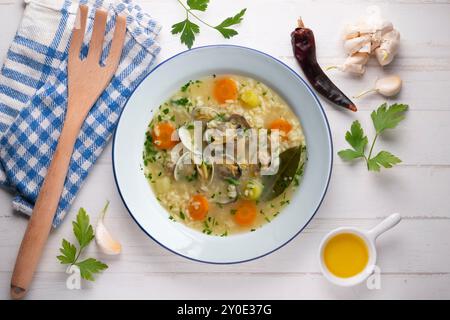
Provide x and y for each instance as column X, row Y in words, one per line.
column 224, row 154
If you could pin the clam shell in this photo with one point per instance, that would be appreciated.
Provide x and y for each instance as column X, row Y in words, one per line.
column 187, row 139
column 183, row 161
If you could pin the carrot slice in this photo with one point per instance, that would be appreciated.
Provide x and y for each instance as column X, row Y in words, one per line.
column 198, row 207
column 281, row 124
column 245, row 212
column 162, row 135
column 225, row 89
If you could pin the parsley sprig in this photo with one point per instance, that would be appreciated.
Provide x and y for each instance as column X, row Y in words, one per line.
column 383, row 118
column 70, row 254
column 189, row 29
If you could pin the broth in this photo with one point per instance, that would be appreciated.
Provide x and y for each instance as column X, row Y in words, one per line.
column 222, row 199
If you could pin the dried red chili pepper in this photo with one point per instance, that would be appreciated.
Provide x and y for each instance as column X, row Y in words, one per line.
column 304, row 47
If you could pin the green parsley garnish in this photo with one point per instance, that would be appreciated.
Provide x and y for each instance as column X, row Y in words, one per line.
column 186, row 86
column 232, row 181
column 383, row 118
column 192, row 177
column 189, row 29
column 84, row 233
column 181, row 102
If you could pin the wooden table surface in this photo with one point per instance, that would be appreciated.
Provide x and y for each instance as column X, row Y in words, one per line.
column 414, row 258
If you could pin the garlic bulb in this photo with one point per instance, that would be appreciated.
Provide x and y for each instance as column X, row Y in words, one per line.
column 105, row 241
column 370, row 34
column 388, row 86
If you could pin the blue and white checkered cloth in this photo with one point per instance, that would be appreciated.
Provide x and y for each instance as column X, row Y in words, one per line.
column 33, row 95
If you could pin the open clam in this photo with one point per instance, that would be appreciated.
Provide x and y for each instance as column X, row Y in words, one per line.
column 227, row 175
column 187, row 138
column 228, row 168
column 228, row 194
column 239, row 121
column 184, row 168
column 206, row 172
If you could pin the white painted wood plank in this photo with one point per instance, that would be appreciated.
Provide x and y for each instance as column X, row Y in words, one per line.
column 224, row 286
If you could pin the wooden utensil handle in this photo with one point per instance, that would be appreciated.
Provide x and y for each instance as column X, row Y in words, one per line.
column 44, row 210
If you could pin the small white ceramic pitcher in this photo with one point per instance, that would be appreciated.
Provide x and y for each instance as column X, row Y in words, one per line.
column 369, row 237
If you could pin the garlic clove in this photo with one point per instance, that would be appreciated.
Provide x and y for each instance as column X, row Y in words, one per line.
column 351, row 31
column 354, row 45
column 389, row 86
column 105, row 241
column 388, row 48
column 354, row 64
column 383, row 56
column 357, row 69
column 358, row 58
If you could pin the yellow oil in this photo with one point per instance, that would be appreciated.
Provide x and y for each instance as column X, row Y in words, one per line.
column 346, row 255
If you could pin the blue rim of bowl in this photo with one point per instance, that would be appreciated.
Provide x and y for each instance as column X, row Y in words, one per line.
column 330, row 166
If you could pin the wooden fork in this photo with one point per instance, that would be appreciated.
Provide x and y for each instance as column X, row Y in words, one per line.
column 86, row 81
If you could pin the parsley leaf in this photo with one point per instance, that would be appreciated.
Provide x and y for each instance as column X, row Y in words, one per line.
column 89, row 267
column 82, row 229
column 349, row 154
column 178, row 27
column 356, row 138
column 189, row 30
column 388, row 118
column 84, row 233
column 383, row 158
column 69, row 252
column 223, row 27
column 199, row 5
column 383, row 118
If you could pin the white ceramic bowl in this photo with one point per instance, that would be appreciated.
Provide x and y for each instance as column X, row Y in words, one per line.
column 158, row 86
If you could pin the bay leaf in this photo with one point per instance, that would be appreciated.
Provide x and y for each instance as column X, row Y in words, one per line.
column 276, row 184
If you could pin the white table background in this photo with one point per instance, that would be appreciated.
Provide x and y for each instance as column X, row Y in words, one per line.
column 414, row 257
